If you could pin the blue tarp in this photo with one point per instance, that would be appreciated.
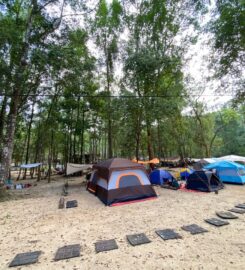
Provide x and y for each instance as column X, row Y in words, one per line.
column 29, row 166
column 158, row 177
column 229, row 172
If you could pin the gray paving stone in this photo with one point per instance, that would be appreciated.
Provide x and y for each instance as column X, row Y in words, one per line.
column 71, row 204
column 105, row 245
column 67, row 252
column 168, row 234
column 240, row 206
column 237, row 210
column 217, row 222
column 226, row 215
column 25, row 258
column 138, row 239
column 194, row 229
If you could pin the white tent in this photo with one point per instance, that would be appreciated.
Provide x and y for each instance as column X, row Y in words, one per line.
column 204, row 160
column 209, row 160
column 73, row 168
column 233, row 158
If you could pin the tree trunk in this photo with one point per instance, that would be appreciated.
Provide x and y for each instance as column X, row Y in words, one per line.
column 109, row 134
column 149, row 142
column 108, row 79
column 66, row 154
column 28, row 138
column 159, row 139
column 82, row 137
column 39, row 174
column 50, row 158
column 207, row 151
column 105, row 146
column 9, row 138
column 213, row 139
column 18, row 80
column 138, row 133
column 37, row 145
column 2, row 121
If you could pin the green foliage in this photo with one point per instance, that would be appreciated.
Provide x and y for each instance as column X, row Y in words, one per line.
column 228, row 28
column 229, row 31
column 78, row 115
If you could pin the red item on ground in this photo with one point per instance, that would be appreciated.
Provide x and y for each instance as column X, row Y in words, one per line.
column 134, row 201
column 183, row 188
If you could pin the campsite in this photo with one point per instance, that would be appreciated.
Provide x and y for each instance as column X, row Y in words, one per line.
column 122, row 134
column 42, row 226
column 40, row 219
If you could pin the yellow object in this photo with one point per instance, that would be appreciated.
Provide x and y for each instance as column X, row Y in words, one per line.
column 152, row 161
column 182, row 170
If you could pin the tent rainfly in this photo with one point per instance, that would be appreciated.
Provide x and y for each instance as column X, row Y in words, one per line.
column 30, row 166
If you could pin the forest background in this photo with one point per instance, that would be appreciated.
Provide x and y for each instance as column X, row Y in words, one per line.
column 101, row 79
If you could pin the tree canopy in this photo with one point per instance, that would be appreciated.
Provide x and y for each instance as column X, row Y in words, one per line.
column 80, row 83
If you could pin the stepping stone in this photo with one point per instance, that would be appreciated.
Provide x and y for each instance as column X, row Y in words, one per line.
column 25, row 258
column 237, row 210
column 168, row 234
column 138, row 239
column 240, row 206
column 226, row 215
column 217, row 222
column 71, row 204
column 67, row 252
column 194, row 229
column 106, row 245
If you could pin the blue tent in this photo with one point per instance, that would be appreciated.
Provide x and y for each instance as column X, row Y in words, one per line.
column 158, row 177
column 185, row 173
column 228, row 172
column 203, row 181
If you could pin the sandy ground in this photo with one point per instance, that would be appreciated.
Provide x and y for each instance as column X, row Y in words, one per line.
column 34, row 222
